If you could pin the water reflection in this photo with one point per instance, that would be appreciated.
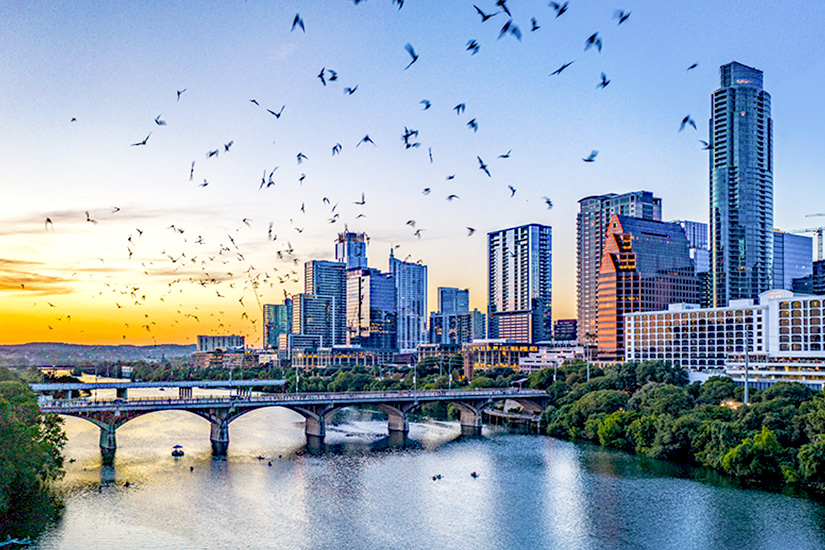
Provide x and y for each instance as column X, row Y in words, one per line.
column 364, row 488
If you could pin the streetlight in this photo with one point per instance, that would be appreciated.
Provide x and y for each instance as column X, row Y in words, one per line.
column 747, row 346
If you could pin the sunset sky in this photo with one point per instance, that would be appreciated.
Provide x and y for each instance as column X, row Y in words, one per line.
column 163, row 258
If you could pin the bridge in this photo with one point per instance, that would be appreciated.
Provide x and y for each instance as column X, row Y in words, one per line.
column 110, row 414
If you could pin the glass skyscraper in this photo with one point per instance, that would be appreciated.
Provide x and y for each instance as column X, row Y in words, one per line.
column 277, row 321
column 351, row 249
column 591, row 226
column 520, row 276
column 325, row 278
column 411, row 303
column 371, row 309
column 741, row 186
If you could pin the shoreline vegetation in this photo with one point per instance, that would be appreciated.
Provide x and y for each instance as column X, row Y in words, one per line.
column 650, row 409
column 31, row 458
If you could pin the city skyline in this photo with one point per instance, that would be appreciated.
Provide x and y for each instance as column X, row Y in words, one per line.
column 116, row 70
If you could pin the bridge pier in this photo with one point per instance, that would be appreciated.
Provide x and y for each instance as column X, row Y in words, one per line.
column 398, row 422
column 316, row 426
column 219, row 436
column 470, row 422
column 108, row 443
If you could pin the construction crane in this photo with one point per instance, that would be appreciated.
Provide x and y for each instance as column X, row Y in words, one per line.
column 818, row 231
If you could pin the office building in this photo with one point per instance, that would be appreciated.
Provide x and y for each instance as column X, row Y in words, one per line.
column 324, row 278
column 520, row 283
column 351, row 250
column 784, row 335
column 371, row 310
column 646, row 266
column 591, row 226
column 411, row 303
column 741, row 186
column 793, row 260
column 312, row 316
column 213, row 343
column 277, row 321
column 453, row 300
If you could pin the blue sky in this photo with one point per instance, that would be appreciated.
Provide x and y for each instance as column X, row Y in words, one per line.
column 116, row 66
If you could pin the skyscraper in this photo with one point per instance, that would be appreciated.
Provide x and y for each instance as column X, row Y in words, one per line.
column 411, row 302
column 520, row 286
column 371, row 309
column 351, row 249
column 591, row 225
column 311, row 316
column 741, row 186
column 325, row 278
column 277, row 321
column 646, row 266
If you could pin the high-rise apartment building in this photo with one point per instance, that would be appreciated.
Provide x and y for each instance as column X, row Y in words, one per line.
column 351, row 249
column 371, row 309
column 311, row 316
column 741, row 186
column 520, row 283
column 411, row 302
column 591, row 226
column 646, row 266
column 793, row 261
column 325, row 278
column 277, row 321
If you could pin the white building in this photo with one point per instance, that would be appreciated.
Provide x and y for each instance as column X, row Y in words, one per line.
column 784, row 331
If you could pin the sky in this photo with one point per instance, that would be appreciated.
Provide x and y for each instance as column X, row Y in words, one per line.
column 134, row 251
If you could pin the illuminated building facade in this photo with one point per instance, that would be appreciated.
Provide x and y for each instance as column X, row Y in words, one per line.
column 645, row 267
column 591, row 225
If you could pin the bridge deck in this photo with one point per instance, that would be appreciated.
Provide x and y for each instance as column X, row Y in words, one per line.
column 227, row 384
column 69, row 406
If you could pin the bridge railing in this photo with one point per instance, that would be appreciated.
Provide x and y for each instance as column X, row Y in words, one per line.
column 289, row 397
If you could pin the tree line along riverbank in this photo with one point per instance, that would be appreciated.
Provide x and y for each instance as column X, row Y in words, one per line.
column 651, row 410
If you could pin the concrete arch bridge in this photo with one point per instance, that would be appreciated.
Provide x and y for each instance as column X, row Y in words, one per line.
column 110, row 414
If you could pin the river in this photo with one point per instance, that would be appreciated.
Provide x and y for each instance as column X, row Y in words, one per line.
column 362, row 492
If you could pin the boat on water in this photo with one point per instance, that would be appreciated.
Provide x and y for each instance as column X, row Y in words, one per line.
column 177, row 451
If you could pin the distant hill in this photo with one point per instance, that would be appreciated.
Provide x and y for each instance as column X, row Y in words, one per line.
column 45, row 353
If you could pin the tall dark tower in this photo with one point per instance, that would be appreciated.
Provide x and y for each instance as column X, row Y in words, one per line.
column 741, row 186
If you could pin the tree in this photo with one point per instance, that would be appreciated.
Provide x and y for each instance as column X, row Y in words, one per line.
column 658, row 399
column 715, row 390
column 31, row 443
column 482, row 382
column 614, row 430
column 792, row 391
column 812, row 460
column 642, row 432
column 714, row 440
column 756, row 458
column 673, row 439
column 662, row 372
